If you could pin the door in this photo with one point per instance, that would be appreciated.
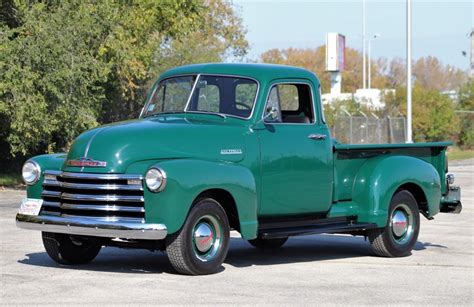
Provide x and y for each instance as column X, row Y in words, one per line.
column 296, row 155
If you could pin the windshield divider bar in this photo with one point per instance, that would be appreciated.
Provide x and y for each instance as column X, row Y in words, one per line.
column 192, row 92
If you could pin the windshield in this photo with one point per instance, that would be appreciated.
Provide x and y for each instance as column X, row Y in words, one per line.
column 171, row 95
column 232, row 96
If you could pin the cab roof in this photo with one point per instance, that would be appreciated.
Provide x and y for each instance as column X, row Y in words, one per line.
column 261, row 72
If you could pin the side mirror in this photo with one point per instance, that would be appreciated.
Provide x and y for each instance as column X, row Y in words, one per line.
column 272, row 113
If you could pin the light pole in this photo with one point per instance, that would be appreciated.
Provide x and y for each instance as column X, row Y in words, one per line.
column 369, row 59
column 409, row 115
column 364, row 82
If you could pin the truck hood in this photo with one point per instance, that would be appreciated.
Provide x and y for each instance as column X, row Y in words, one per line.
column 123, row 143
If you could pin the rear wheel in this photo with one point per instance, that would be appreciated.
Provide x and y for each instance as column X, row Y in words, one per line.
column 201, row 246
column 399, row 236
column 66, row 249
column 268, row 243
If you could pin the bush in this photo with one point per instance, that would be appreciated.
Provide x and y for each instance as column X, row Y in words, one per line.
column 466, row 117
column 68, row 66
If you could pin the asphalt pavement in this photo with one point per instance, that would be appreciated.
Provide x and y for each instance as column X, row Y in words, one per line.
column 318, row 269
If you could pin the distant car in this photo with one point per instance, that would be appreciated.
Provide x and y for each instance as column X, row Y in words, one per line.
column 230, row 146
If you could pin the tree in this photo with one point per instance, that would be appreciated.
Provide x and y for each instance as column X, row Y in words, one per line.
column 433, row 114
column 430, row 73
column 67, row 66
column 466, row 114
column 314, row 60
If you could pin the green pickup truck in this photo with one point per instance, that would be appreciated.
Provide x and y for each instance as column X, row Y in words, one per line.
column 220, row 147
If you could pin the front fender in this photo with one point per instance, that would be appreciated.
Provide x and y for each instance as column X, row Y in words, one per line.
column 380, row 177
column 46, row 162
column 187, row 178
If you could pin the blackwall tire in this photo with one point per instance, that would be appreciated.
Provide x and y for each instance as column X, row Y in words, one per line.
column 201, row 246
column 66, row 249
column 399, row 237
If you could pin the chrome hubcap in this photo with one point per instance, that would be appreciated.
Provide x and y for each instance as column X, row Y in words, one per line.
column 203, row 237
column 402, row 224
column 399, row 223
column 207, row 238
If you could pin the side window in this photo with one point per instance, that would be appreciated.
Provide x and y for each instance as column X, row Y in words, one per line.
column 209, row 98
column 245, row 95
column 288, row 97
column 295, row 104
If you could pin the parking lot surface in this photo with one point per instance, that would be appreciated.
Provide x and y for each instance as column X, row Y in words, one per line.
column 318, row 269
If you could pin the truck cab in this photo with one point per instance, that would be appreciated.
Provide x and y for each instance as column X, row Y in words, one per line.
column 220, row 147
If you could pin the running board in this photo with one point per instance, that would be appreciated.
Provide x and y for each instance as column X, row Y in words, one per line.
column 325, row 227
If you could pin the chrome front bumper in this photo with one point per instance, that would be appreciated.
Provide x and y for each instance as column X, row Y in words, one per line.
column 87, row 227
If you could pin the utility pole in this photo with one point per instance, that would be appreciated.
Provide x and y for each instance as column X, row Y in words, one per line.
column 364, row 82
column 471, row 35
column 409, row 115
column 369, row 59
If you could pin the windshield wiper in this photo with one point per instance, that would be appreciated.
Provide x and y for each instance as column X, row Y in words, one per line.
column 164, row 113
column 205, row 112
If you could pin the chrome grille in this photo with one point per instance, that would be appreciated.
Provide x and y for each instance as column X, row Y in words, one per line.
column 111, row 197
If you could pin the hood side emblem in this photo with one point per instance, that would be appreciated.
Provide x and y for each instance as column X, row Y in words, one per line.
column 86, row 162
column 231, row 151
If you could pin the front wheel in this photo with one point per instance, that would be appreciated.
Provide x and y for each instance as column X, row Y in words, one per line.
column 399, row 236
column 201, row 245
column 66, row 249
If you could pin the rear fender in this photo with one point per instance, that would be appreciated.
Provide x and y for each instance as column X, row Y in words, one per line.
column 380, row 177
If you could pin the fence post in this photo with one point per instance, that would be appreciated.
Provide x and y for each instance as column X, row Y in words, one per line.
column 350, row 124
column 366, row 126
column 390, row 130
column 404, row 130
column 378, row 128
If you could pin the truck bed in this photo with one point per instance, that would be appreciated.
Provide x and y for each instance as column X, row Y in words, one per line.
column 348, row 159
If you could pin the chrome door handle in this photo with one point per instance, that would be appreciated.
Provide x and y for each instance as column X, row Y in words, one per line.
column 317, row 136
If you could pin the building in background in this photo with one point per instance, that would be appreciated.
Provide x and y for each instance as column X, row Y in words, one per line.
column 335, row 64
column 335, row 60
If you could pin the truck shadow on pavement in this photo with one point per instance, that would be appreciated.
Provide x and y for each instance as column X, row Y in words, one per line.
column 306, row 249
column 111, row 259
column 241, row 254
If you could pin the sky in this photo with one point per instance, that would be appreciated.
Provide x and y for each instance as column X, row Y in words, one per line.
column 439, row 28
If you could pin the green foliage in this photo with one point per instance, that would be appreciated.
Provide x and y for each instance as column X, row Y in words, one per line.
column 433, row 114
column 49, row 85
column 457, row 153
column 466, row 115
column 11, row 180
column 67, row 66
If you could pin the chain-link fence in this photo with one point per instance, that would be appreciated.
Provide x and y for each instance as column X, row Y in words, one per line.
column 364, row 129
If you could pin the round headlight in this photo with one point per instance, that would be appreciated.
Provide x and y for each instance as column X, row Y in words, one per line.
column 155, row 179
column 31, row 172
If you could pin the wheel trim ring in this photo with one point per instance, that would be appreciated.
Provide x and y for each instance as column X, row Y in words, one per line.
column 215, row 246
column 405, row 236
